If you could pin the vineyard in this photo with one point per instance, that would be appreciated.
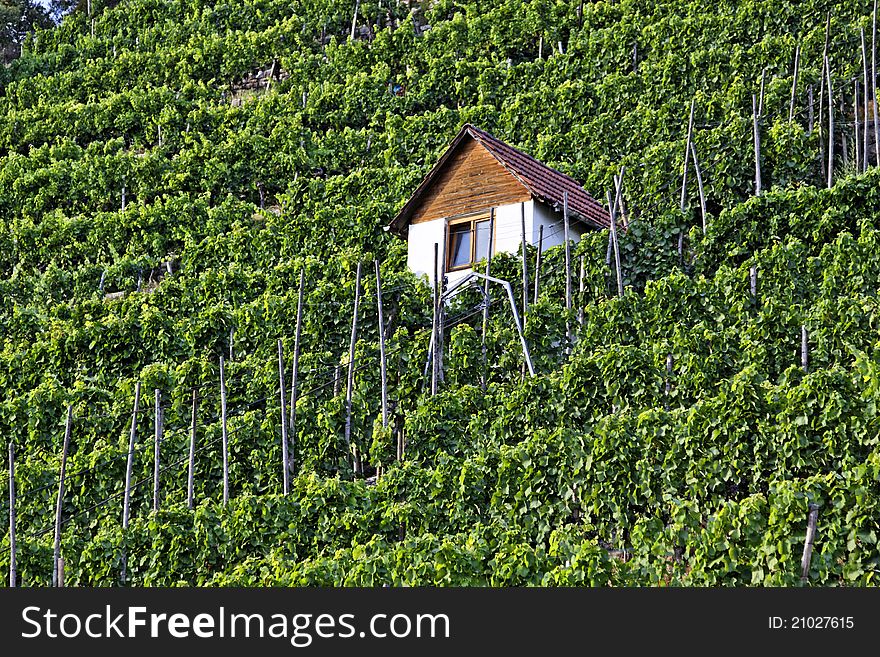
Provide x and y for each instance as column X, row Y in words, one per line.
column 170, row 169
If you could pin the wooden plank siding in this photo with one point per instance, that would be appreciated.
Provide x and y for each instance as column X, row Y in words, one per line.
column 472, row 180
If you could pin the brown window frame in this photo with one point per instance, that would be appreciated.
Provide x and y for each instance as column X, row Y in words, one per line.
column 473, row 219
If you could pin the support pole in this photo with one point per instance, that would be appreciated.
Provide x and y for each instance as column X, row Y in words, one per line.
column 525, row 271
column 59, row 504
column 487, row 300
column 810, row 117
column 434, row 322
column 856, row 137
column 12, row 548
column 822, row 77
column 285, row 463
column 294, row 378
column 874, row 85
column 350, row 380
column 580, row 314
column 830, row 124
column 126, row 503
column 192, row 451
column 538, row 262
column 794, row 81
column 382, row 367
column 753, row 282
column 225, row 432
column 700, row 186
column 157, row 441
column 684, row 166
column 809, row 539
column 761, row 93
column 566, row 236
column 757, row 142
column 805, row 349
column 867, row 90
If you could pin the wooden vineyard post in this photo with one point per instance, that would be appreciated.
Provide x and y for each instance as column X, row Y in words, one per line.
column 874, row 86
column 830, row 124
column 357, row 6
column 225, row 432
column 157, row 441
column 59, row 504
column 12, row 547
column 192, row 450
column 566, row 227
column 581, row 274
column 60, row 583
column 684, row 166
column 753, row 282
column 668, row 385
column 757, row 142
column 126, row 503
column 285, row 471
column 805, row 349
column 856, row 140
column 810, row 117
column 434, row 322
column 525, row 270
column 809, row 540
column 383, row 373
column 699, row 186
column 794, row 81
column 866, row 91
column 231, row 342
column 294, row 378
column 537, row 262
column 761, row 93
column 350, row 379
column 822, row 77
column 486, row 302
column 618, row 183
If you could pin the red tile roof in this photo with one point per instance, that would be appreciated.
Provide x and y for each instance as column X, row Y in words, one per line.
column 542, row 182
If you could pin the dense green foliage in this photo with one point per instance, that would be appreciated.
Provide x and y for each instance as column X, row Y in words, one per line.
column 129, row 142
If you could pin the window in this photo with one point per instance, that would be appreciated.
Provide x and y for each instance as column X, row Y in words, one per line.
column 467, row 241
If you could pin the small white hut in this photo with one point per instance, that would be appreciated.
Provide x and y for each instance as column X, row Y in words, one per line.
column 479, row 174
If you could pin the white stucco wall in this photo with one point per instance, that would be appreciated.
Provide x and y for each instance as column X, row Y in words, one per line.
column 508, row 231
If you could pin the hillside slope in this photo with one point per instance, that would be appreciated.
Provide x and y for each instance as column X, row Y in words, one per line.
column 169, row 168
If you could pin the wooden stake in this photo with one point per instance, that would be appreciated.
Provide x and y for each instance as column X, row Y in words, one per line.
column 810, row 110
column 225, row 432
column 486, row 300
column 856, row 140
column 684, row 166
column 538, row 262
column 337, row 377
column 757, row 140
column 867, row 90
column 566, row 230
column 794, row 81
column 805, row 349
column 822, row 77
column 126, row 503
column 761, row 93
column 668, row 386
column 525, row 271
column 60, row 502
column 350, row 381
column 874, row 85
column 192, row 451
column 581, row 291
column 434, row 322
column 699, row 185
column 809, row 539
column 382, row 371
column 285, row 463
column 61, row 559
column 753, row 281
column 294, row 378
column 157, row 440
column 12, row 548
column 830, row 125
column 357, row 6
column 618, row 181
column 231, row 342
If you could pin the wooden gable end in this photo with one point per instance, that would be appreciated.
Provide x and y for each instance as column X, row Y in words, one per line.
column 471, row 180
